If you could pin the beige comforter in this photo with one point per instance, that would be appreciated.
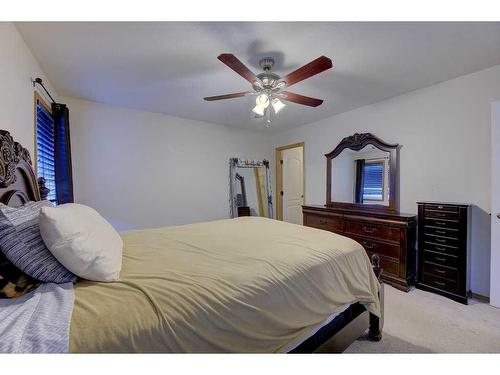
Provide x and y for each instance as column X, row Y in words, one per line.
column 238, row 285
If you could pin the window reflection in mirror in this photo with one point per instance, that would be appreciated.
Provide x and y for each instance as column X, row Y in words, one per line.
column 361, row 176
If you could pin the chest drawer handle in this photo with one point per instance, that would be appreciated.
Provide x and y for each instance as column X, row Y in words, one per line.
column 440, row 223
column 369, row 230
column 440, row 249
column 439, row 283
column 440, row 231
column 441, row 259
column 367, row 246
column 440, row 240
column 439, row 271
column 440, row 214
column 440, row 207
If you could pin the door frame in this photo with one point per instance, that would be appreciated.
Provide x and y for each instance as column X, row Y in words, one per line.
column 495, row 205
column 279, row 177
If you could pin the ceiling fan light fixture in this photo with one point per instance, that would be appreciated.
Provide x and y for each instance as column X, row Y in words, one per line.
column 259, row 110
column 262, row 101
column 278, row 105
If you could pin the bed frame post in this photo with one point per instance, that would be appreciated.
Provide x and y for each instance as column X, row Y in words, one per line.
column 44, row 191
column 375, row 328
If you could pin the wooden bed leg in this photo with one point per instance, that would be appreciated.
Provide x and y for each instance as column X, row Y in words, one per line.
column 374, row 332
column 376, row 324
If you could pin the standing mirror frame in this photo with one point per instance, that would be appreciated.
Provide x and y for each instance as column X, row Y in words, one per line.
column 357, row 142
column 235, row 178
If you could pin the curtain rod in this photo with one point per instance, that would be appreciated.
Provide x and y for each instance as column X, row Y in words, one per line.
column 40, row 82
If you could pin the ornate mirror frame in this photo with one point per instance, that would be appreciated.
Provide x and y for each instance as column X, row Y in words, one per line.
column 357, row 142
column 235, row 163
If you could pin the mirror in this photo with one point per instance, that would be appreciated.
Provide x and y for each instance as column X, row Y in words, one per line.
column 361, row 176
column 250, row 188
column 362, row 173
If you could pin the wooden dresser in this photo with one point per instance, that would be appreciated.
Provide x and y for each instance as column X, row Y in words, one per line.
column 390, row 235
column 444, row 249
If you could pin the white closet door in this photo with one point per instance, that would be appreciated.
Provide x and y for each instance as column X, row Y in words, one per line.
column 495, row 205
column 293, row 184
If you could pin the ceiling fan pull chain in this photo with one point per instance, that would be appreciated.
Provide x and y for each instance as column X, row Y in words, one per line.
column 268, row 121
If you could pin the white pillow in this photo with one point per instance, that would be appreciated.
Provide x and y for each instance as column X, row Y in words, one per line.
column 83, row 241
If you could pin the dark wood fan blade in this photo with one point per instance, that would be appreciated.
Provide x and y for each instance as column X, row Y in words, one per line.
column 227, row 96
column 300, row 99
column 314, row 67
column 235, row 64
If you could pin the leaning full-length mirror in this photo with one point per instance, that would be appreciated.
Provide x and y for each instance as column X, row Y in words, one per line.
column 250, row 188
column 362, row 173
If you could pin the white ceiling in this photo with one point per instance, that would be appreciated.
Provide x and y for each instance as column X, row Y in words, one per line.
column 168, row 67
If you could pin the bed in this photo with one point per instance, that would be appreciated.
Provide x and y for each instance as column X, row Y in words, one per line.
column 247, row 285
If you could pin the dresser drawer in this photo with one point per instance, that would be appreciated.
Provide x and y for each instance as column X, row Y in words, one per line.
column 441, row 214
column 441, row 223
column 388, row 265
column 442, row 231
column 331, row 223
column 440, row 258
column 451, row 250
column 449, row 273
column 374, row 231
column 441, row 240
column 440, row 283
column 441, row 207
column 382, row 248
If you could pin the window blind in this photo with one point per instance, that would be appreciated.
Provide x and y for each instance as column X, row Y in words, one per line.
column 45, row 149
column 373, row 181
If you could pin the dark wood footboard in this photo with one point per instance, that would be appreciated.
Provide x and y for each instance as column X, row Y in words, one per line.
column 376, row 323
column 346, row 328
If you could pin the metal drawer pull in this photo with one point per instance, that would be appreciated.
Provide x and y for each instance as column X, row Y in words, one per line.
column 439, row 283
column 369, row 247
column 440, row 248
column 441, row 240
column 440, row 231
column 440, row 223
column 441, row 259
column 440, row 271
column 368, row 230
column 440, row 214
column 440, row 207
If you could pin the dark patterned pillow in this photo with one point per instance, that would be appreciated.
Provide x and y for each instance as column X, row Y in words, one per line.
column 22, row 244
column 13, row 281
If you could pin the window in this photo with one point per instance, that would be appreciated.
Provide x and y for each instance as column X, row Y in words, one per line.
column 373, row 181
column 45, row 146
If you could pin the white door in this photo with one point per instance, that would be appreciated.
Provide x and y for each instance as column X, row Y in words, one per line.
column 495, row 205
column 293, row 184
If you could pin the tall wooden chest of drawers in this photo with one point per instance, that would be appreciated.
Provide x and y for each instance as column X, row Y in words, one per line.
column 392, row 236
column 443, row 264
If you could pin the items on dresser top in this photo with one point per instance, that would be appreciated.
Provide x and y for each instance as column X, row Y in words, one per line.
column 444, row 249
column 390, row 235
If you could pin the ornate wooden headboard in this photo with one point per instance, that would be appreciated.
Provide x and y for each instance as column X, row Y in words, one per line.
column 18, row 183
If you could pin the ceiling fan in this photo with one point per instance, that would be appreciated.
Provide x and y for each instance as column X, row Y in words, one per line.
column 268, row 86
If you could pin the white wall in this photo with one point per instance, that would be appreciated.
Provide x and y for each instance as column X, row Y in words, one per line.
column 143, row 170
column 17, row 67
column 444, row 131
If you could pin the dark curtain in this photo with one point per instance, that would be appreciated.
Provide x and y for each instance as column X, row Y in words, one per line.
column 62, row 153
column 360, row 180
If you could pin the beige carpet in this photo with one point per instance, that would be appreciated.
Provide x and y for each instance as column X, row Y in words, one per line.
column 422, row 322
